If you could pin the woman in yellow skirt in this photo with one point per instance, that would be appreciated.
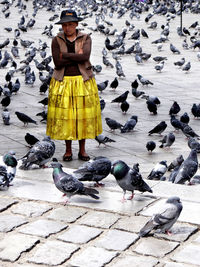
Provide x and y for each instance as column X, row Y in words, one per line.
column 73, row 108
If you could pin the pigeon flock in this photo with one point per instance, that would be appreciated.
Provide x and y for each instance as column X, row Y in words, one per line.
column 139, row 50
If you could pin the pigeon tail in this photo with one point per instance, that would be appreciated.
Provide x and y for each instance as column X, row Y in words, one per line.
column 91, row 192
column 147, row 228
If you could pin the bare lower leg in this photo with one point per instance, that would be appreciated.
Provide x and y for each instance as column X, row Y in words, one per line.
column 68, row 147
column 82, row 148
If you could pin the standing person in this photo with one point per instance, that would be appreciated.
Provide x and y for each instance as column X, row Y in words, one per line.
column 73, row 108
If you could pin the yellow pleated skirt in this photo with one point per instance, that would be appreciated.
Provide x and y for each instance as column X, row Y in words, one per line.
column 74, row 111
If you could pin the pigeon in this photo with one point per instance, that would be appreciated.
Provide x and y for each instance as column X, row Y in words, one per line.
column 94, row 170
column 185, row 118
column 24, row 118
column 43, row 88
column 188, row 168
column 150, row 146
column 102, row 104
column 152, row 107
column 159, row 128
column 195, row 110
column 143, row 80
column 159, row 59
column 194, row 25
column 186, row 67
column 194, row 144
column 113, row 124
column 186, row 31
column 39, row 154
column 102, row 86
column 167, row 140
column 128, row 179
column 135, row 84
column 195, row 180
column 5, row 102
column 114, row 83
column 159, row 66
column 44, row 101
column 69, row 184
column 7, row 172
column 158, row 171
column 136, row 93
column 6, row 116
column 180, row 63
column 121, row 98
column 42, row 114
column 144, row 33
column 188, row 131
column 130, row 124
column 178, row 125
column 165, row 218
column 175, row 108
column 30, row 139
column 152, row 98
column 174, row 49
column 124, row 106
column 176, row 162
column 102, row 139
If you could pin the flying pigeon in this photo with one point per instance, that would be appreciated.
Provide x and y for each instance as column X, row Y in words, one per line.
column 165, row 218
column 128, row 179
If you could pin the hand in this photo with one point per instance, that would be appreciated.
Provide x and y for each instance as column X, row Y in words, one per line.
column 80, row 51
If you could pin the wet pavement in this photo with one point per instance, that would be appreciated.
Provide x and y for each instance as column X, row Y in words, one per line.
column 36, row 229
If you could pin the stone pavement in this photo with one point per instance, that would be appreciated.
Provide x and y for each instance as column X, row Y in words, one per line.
column 36, row 229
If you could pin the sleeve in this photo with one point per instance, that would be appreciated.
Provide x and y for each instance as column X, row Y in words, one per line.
column 80, row 57
column 59, row 61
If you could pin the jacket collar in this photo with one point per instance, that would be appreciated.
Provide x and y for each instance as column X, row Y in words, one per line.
column 62, row 36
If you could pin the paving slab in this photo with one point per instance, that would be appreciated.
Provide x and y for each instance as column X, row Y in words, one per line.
column 92, row 256
column 128, row 260
column 180, row 232
column 31, row 209
column 116, row 240
column 67, row 214
column 79, row 234
column 174, row 264
column 8, row 249
column 43, row 228
column 99, row 219
column 154, row 247
column 131, row 224
column 189, row 254
column 5, row 203
column 53, row 253
column 8, row 222
column 191, row 208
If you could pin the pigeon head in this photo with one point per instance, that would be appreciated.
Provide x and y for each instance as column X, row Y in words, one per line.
column 119, row 169
column 56, row 164
column 173, row 200
column 163, row 162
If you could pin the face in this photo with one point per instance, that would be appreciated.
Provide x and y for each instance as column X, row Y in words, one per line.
column 69, row 28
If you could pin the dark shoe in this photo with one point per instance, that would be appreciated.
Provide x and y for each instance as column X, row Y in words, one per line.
column 67, row 158
column 84, row 158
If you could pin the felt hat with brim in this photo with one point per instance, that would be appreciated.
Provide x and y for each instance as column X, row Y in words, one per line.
column 68, row 16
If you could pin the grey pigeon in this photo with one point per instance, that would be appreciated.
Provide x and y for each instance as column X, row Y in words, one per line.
column 188, row 168
column 188, row 131
column 186, row 67
column 158, row 171
column 24, row 118
column 167, row 140
column 39, row 154
column 180, row 62
column 6, row 116
column 195, row 180
column 173, row 174
column 113, row 124
column 174, row 49
column 102, row 86
column 159, row 128
column 176, row 162
column 194, row 144
column 128, row 179
column 143, row 80
column 94, row 170
column 165, row 218
column 69, row 184
column 130, row 124
column 159, row 66
column 102, row 139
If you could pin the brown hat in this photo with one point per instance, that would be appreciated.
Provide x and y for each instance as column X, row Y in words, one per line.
column 67, row 16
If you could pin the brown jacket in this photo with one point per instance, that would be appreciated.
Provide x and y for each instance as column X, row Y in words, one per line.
column 83, row 41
